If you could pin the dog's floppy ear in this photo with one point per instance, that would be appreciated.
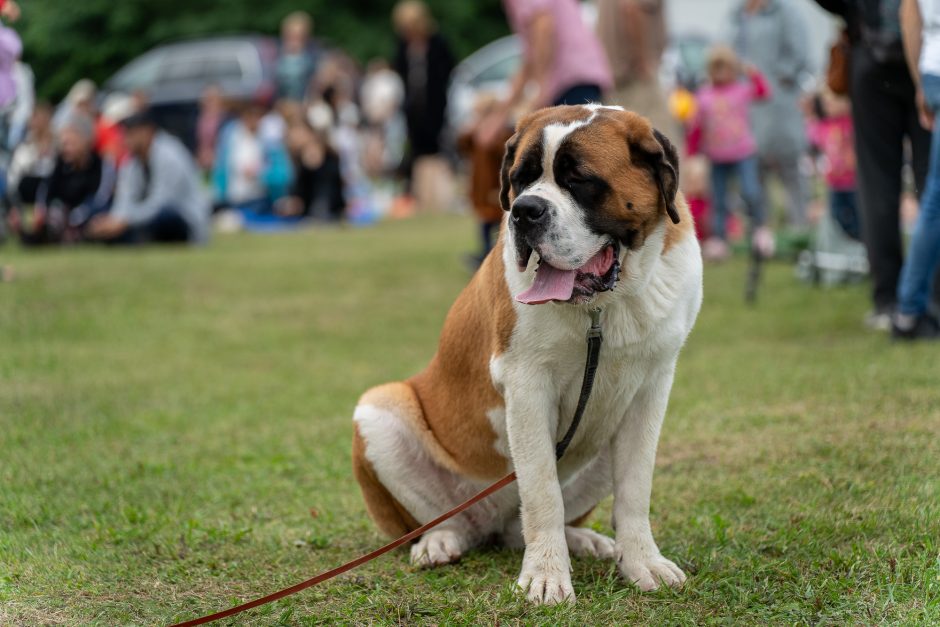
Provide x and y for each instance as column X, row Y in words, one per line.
column 508, row 158
column 658, row 153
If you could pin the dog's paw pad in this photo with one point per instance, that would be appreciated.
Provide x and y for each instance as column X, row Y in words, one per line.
column 436, row 548
column 586, row 542
column 648, row 573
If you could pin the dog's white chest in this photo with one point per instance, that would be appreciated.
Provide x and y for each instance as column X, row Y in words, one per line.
column 557, row 355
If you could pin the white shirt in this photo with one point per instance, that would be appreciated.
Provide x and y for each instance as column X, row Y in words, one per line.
column 930, row 35
column 245, row 157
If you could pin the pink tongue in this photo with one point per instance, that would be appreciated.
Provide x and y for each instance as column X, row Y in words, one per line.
column 550, row 284
column 554, row 284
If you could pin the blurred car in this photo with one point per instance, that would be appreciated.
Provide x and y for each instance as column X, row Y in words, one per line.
column 489, row 70
column 173, row 76
column 684, row 62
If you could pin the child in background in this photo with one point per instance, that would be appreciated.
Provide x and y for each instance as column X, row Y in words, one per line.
column 832, row 133
column 721, row 130
column 485, row 160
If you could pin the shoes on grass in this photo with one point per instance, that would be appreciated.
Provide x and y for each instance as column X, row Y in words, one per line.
column 910, row 328
column 764, row 242
column 879, row 319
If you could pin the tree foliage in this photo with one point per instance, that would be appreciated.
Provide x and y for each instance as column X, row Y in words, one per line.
column 66, row 40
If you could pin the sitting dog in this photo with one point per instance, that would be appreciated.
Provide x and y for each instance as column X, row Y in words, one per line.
column 592, row 191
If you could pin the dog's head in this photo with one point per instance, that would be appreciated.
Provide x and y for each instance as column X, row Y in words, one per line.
column 583, row 186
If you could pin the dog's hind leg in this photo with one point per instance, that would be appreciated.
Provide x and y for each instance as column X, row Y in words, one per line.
column 406, row 482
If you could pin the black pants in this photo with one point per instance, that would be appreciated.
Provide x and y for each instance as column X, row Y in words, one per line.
column 424, row 132
column 579, row 94
column 884, row 112
column 167, row 226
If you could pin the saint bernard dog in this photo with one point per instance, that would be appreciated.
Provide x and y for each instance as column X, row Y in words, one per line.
column 592, row 191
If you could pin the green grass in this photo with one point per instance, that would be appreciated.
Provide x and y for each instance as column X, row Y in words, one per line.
column 175, row 427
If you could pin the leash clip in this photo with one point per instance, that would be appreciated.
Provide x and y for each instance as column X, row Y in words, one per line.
column 595, row 330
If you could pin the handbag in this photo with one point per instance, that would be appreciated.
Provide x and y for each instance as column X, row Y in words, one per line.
column 837, row 75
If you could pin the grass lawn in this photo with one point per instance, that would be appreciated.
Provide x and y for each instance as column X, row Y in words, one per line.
column 175, row 429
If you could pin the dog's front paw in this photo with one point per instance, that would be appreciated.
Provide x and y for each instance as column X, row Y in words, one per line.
column 647, row 572
column 546, row 574
column 436, row 548
column 547, row 588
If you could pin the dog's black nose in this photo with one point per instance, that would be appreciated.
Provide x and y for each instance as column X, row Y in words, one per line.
column 529, row 211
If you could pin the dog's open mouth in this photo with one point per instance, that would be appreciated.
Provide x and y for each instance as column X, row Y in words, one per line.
column 599, row 274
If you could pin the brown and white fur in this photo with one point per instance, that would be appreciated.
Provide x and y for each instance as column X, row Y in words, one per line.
column 502, row 388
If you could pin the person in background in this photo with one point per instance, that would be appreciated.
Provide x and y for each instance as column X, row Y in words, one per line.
column 212, row 114
column 832, row 133
column 884, row 114
column 381, row 92
column 562, row 58
column 109, row 134
column 381, row 95
column 721, row 130
column 317, row 190
column 771, row 35
column 11, row 48
column 23, row 105
column 250, row 173
column 159, row 197
column 82, row 99
column 484, row 186
column 297, row 60
column 424, row 61
column 633, row 33
column 80, row 187
column 920, row 24
column 32, row 162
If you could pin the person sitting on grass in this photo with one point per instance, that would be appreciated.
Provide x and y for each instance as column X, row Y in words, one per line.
column 721, row 130
column 33, row 160
column 317, row 191
column 252, row 172
column 79, row 187
column 159, row 197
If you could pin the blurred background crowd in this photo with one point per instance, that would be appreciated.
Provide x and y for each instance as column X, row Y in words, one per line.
column 806, row 124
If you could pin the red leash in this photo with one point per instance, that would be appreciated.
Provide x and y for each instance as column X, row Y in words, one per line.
column 594, row 340
column 339, row 570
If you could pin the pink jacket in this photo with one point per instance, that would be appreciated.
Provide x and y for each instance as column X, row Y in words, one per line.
column 721, row 129
column 835, row 139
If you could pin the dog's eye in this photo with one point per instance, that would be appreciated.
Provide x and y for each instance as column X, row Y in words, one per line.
column 526, row 173
column 577, row 178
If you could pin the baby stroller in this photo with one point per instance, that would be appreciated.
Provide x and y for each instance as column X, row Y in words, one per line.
column 834, row 257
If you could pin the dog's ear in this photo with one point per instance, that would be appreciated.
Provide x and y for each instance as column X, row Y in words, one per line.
column 658, row 153
column 508, row 158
